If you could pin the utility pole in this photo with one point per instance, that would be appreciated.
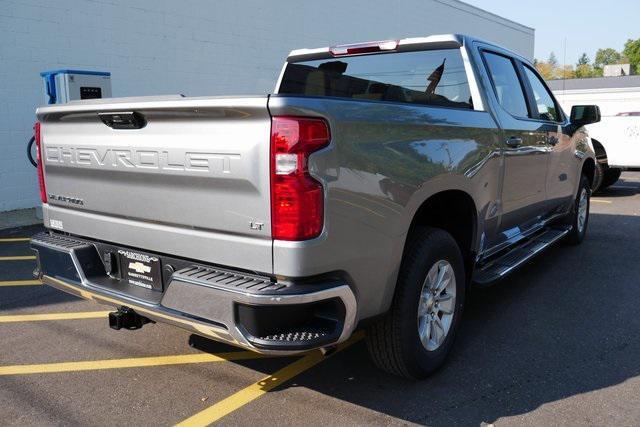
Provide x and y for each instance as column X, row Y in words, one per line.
column 564, row 67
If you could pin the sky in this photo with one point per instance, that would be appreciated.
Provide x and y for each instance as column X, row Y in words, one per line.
column 587, row 24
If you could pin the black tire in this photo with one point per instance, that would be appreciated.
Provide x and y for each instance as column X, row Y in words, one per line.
column 598, row 176
column 577, row 233
column 394, row 342
column 610, row 177
column 29, row 149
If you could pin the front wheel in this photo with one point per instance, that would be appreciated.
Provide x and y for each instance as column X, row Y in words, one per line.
column 415, row 336
column 579, row 217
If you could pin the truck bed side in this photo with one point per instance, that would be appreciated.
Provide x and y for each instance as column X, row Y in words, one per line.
column 384, row 160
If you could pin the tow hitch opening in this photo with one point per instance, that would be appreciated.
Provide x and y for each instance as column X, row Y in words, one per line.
column 127, row 318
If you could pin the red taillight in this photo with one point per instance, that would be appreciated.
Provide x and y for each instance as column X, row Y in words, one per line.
column 297, row 200
column 43, row 190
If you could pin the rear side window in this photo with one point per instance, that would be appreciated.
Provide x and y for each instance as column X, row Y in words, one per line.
column 435, row 77
column 506, row 84
column 547, row 108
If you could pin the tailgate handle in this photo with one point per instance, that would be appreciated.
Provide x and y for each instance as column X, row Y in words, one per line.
column 123, row 120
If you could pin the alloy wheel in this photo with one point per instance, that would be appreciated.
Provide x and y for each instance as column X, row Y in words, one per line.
column 437, row 305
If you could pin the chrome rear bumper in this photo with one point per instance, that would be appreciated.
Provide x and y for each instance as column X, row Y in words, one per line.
column 197, row 300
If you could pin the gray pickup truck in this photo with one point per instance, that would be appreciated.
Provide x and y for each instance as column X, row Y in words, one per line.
column 374, row 187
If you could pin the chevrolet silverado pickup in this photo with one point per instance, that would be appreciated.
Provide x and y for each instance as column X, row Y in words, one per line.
column 372, row 189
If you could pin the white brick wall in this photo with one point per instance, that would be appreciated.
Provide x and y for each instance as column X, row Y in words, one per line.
column 194, row 47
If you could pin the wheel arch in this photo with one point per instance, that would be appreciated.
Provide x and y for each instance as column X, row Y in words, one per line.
column 599, row 150
column 455, row 212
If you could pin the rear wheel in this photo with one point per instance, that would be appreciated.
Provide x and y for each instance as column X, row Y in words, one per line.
column 579, row 217
column 415, row 336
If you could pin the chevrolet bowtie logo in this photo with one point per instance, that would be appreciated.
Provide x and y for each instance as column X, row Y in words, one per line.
column 139, row 267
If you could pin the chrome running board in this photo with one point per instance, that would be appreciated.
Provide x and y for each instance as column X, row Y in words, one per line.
column 501, row 266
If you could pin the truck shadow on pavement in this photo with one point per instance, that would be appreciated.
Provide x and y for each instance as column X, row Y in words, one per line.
column 621, row 188
column 32, row 297
column 566, row 324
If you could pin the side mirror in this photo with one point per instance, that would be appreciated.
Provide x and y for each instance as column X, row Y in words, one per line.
column 584, row 115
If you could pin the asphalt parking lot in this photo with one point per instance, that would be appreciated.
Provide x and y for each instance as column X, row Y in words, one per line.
column 556, row 343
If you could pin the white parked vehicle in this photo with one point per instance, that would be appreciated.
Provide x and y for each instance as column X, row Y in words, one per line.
column 616, row 139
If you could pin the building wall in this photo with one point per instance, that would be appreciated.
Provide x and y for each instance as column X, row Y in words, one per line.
column 193, row 47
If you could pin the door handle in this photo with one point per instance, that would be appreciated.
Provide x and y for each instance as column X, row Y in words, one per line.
column 514, row 141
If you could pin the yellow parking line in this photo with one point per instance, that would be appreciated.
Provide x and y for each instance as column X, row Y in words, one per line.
column 20, row 283
column 254, row 391
column 14, row 239
column 137, row 362
column 17, row 258
column 53, row 316
column 601, row 201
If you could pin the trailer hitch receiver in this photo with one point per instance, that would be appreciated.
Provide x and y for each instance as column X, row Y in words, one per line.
column 126, row 318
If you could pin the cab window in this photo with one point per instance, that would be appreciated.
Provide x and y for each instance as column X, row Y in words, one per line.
column 546, row 108
column 506, row 84
column 432, row 77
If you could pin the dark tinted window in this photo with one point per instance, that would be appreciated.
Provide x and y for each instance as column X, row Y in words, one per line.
column 434, row 77
column 546, row 107
column 507, row 85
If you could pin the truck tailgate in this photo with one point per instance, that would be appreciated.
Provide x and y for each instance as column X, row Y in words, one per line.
column 198, row 165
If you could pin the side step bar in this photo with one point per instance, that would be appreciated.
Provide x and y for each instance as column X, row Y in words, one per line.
column 503, row 265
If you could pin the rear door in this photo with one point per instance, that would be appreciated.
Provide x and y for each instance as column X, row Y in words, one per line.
column 525, row 150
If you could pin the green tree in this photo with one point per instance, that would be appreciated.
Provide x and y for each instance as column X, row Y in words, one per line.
column 632, row 52
column 553, row 61
column 584, row 71
column 545, row 69
column 606, row 56
column 566, row 72
column 583, row 60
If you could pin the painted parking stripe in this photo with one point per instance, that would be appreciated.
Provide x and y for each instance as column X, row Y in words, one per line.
column 20, row 283
column 14, row 239
column 17, row 258
column 53, row 316
column 137, row 362
column 601, row 201
column 255, row 390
